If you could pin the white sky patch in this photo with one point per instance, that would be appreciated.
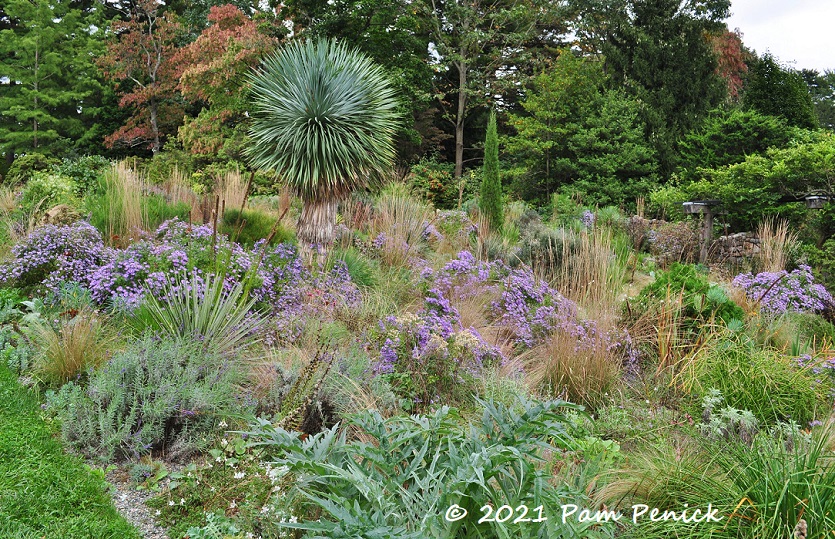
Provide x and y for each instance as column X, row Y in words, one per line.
column 798, row 32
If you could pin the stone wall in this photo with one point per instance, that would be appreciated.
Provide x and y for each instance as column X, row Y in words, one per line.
column 735, row 248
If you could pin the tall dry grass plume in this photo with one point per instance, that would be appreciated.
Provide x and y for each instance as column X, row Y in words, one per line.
column 124, row 187
column 483, row 231
column 8, row 200
column 20, row 227
column 232, row 188
column 177, row 190
column 589, row 272
column 776, row 245
column 563, row 368
column 402, row 218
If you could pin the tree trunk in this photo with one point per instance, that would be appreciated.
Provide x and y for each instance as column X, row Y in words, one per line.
column 459, row 118
column 317, row 221
column 154, row 125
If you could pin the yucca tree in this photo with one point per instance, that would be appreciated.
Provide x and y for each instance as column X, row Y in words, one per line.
column 324, row 119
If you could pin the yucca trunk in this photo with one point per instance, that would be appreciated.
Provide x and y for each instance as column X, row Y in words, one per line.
column 317, row 221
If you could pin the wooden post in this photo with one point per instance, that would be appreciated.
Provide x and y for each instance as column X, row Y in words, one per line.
column 707, row 234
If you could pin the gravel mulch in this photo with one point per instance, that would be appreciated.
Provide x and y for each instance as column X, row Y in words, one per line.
column 131, row 504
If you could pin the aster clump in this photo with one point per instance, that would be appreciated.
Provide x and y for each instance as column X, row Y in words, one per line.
column 781, row 292
column 306, row 296
column 428, row 356
column 526, row 308
column 165, row 262
column 55, row 254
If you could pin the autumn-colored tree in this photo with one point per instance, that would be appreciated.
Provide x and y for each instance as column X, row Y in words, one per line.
column 140, row 59
column 215, row 69
column 731, row 56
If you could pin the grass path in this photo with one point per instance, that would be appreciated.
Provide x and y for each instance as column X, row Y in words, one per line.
column 44, row 492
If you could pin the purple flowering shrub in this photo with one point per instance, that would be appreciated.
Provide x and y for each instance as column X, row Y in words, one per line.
column 307, row 296
column 179, row 250
column 54, row 254
column 527, row 309
column 588, row 219
column 428, row 356
column 783, row 291
column 177, row 255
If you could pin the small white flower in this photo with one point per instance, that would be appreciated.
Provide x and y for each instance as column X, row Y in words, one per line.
column 224, row 442
column 233, row 505
column 182, row 501
column 212, row 489
column 250, row 535
column 170, row 502
column 219, row 459
column 157, row 513
column 293, row 519
column 240, row 475
column 222, row 424
column 265, row 509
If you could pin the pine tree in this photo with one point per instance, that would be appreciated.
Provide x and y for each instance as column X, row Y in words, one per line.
column 46, row 72
column 490, row 196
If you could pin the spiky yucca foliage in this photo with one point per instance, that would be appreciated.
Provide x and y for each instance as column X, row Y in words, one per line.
column 204, row 309
column 324, row 119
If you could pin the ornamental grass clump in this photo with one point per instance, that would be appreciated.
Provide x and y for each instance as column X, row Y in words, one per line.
column 760, row 490
column 70, row 347
column 783, row 291
column 204, row 310
column 773, row 386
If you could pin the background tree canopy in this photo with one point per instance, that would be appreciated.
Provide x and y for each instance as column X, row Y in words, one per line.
column 601, row 100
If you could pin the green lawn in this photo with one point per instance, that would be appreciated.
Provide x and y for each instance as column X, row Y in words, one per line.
column 45, row 493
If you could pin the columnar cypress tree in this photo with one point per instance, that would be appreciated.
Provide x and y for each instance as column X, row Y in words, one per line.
column 490, row 196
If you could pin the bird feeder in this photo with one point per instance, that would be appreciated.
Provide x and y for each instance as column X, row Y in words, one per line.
column 695, row 207
column 816, row 202
column 705, row 208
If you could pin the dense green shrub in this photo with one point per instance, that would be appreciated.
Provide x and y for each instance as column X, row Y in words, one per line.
column 45, row 190
column 157, row 394
column 26, row 165
column 84, row 171
column 433, row 180
column 162, row 166
column 701, row 301
column 258, row 226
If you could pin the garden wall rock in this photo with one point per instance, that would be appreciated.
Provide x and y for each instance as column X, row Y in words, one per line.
column 735, row 248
